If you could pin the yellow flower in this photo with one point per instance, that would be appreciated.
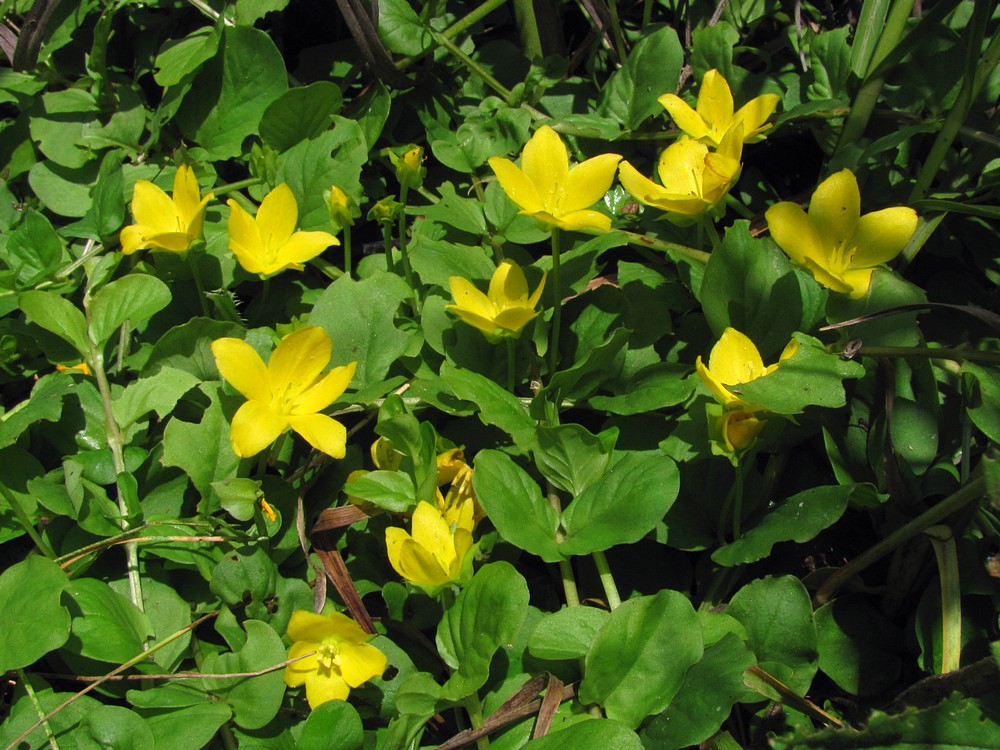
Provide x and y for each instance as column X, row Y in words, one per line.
column 164, row 222
column 738, row 429
column 269, row 244
column 545, row 187
column 81, row 367
column 409, row 171
column 714, row 116
column 434, row 555
column 834, row 242
column 288, row 392
column 449, row 464
column 343, row 209
column 384, row 456
column 342, row 660
column 505, row 309
column 693, row 179
column 734, row 360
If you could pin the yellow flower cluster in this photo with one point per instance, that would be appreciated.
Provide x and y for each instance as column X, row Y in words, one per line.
column 735, row 360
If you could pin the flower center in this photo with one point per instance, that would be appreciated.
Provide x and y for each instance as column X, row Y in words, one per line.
column 327, row 656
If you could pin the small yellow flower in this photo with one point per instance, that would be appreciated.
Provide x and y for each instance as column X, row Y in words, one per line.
column 834, row 242
column 269, row 244
column 268, row 510
column 434, row 556
column 164, row 222
column 545, row 187
column 288, row 392
column 505, row 309
column 449, row 464
column 343, row 209
column 384, row 456
column 738, row 429
column 734, row 360
column 81, row 367
column 693, row 179
column 342, row 660
column 409, row 171
column 714, row 116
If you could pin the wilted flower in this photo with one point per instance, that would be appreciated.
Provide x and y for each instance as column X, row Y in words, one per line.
column 449, row 464
column 693, row 179
column 171, row 223
column 434, row 556
column 505, row 309
column 288, row 392
column 714, row 116
column 834, row 242
column 545, row 186
column 269, row 244
column 342, row 660
column 735, row 360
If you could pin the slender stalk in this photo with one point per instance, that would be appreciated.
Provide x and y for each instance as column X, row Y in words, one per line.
column 642, row 240
column 231, row 187
column 474, row 707
column 738, row 502
column 556, row 305
column 946, row 552
column 971, row 492
column 527, row 28
column 404, row 254
column 616, row 32
column 607, row 580
column 347, row 251
column 199, row 285
column 390, row 265
column 511, row 357
column 956, row 355
column 30, row 691
column 565, row 566
column 26, row 524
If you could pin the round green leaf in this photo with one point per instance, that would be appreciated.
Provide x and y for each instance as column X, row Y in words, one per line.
column 114, row 726
column 35, row 622
column 106, row 625
column 334, row 725
column 593, row 734
column 859, row 648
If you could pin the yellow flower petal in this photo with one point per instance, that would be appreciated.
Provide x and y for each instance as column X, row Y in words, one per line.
column 794, row 233
column 325, row 391
column 577, row 220
column 754, row 114
column 715, row 103
column 469, row 299
column 859, row 281
column 835, row 208
column 296, row 672
column 187, row 194
column 545, row 162
column 308, row 626
column 153, row 208
column 507, row 284
column 254, row 428
column 323, row 433
column 680, row 167
column 244, row 238
column 516, row 184
column 432, row 533
column 486, row 325
column 360, row 662
column 537, row 294
column 241, row 367
column 587, row 183
column 298, row 361
column 881, row 235
column 321, row 688
column 734, row 359
column 514, row 319
column 277, row 216
column 132, row 239
column 740, row 429
column 684, row 116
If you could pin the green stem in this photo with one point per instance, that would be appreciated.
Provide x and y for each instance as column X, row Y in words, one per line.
column 232, row 187
column 36, row 704
column 26, row 524
column 738, row 502
column 390, row 266
column 556, row 304
column 404, row 254
column 642, row 240
column 474, row 707
column 569, row 583
column 199, row 285
column 616, row 32
column 867, row 96
column 511, row 357
column 945, row 550
column 527, row 28
column 971, row 492
column 607, row 580
column 956, row 355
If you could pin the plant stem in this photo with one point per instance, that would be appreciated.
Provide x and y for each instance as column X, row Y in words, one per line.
column 30, row 691
column 199, row 285
column 556, row 304
column 404, row 254
column 347, row 251
column 971, row 492
column 474, row 707
column 511, row 356
column 607, row 579
column 738, row 502
column 616, row 32
column 643, row 240
column 956, row 355
column 943, row 540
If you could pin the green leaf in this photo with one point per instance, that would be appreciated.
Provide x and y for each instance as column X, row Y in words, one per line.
column 400, row 29
column 486, row 614
column 249, row 11
column 571, row 457
column 984, row 406
column 117, row 727
column 238, row 496
column 64, row 190
column 134, row 298
column 34, row 250
column 490, row 131
column 463, row 213
column 189, row 728
column 254, row 700
column 515, row 505
column 157, row 393
column 640, row 656
column 588, row 373
column 300, row 114
column 830, row 65
column 657, row 386
column 859, row 648
column 368, row 336
column 653, row 68
column 188, row 347
column 179, row 57
column 624, row 505
column 749, row 285
column 589, row 734
column 107, row 211
column 44, row 404
column 57, row 124
column 914, row 429
column 887, row 291
column 244, row 572
column 777, row 614
column 232, row 90
column 798, row 518
column 24, row 714
column 811, row 377
column 710, row 689
column 202, row 450
column 391, row 490
column 497, row 406
column 106, row 625
column 58, row 315
column 35, row 621
column 334, row 725
column 167, row 613
column 566, row 634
